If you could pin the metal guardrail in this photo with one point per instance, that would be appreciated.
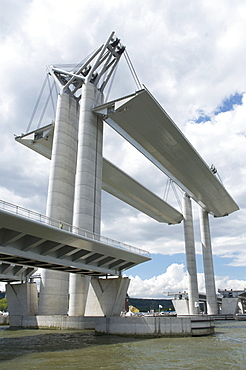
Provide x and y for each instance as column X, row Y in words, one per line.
column 38, row 217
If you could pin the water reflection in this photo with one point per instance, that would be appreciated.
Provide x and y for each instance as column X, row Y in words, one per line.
column 59, row 349
column 21, row 342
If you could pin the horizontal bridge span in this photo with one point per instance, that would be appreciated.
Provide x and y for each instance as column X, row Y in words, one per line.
column 32, row 239
column 124, row 187
column 114, row 181
column 143, row 122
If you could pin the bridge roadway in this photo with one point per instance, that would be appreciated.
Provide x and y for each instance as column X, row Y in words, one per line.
column 114, row 181
column 29, row 238
column 141, row 120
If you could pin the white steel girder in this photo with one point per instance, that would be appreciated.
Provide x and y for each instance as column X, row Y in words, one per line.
column 114, row 181
column 141, row 120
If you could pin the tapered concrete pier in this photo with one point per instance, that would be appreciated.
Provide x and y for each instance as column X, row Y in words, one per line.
column 212, row 307
column 190, row 256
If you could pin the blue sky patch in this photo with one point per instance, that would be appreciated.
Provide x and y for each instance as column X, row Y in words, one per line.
column 156, row 266
column 228, row 103
column 203, row 118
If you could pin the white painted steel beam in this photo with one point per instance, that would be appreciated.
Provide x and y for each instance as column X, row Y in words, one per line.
column 122, row 186
column 39, row 140
column 13, row 272
column 143, row 122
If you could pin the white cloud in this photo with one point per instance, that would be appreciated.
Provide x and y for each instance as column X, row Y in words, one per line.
column 175, row 280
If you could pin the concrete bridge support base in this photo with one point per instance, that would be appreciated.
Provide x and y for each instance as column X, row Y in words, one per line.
column 22, row 299
column 229, row 306
column 106, row 296
column 155, row 326
column 181, row 306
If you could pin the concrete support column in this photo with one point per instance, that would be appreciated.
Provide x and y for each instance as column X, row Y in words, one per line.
column 190, row 256
column 212, row 305
column 88, row 184
column 53, row 293
column 63, row 161
column 79, row 286
column 54, row 285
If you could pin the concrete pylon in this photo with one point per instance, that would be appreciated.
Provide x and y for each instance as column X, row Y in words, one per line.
column 54, row 285
column 79, row 286
column 88, row 184
column 212, row 306
column 190, row 256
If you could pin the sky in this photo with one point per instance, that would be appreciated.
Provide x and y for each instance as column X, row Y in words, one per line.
column 191, row 55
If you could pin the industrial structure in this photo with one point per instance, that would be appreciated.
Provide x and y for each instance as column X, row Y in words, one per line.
column 67, row 241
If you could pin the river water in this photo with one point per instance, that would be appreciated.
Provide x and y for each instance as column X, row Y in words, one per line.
column 63, row 349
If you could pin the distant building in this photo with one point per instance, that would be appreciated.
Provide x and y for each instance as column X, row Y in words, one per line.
column 147, row 304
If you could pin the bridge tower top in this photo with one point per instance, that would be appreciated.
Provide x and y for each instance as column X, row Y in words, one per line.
column 97, row 68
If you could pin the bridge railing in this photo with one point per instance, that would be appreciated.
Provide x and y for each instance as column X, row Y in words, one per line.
column 38, row 217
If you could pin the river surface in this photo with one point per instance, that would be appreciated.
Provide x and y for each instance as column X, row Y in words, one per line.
column 63, row 349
